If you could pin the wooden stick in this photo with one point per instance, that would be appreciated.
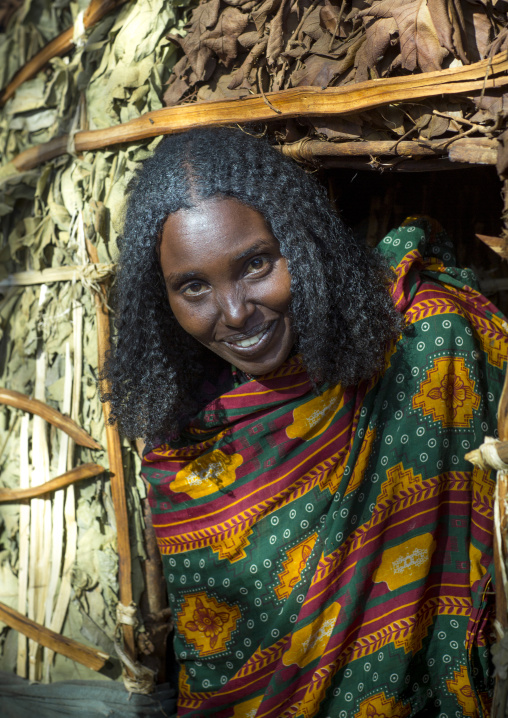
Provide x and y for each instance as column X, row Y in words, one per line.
column 89, row 657
column 59, row 46
column 295, row 102
column 94, row 272
column 85, row 471
column 52, row 416
column 24, row 542
column 115, row 467
column 308, row 150
column 41, row 528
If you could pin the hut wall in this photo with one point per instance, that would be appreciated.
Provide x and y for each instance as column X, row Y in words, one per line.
column 62, row 569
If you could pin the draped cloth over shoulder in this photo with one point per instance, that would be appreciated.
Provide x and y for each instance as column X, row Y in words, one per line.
column 331, row 555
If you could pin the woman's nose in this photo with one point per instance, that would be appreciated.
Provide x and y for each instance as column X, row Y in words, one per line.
column 235, row 308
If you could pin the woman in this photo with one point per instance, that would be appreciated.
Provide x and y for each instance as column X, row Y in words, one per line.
column 326, row 546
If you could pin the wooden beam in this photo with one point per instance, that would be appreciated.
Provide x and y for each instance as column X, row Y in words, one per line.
column 296, row 102
column 85, row 471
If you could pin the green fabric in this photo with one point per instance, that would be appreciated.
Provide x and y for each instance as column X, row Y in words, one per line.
column 330, row 555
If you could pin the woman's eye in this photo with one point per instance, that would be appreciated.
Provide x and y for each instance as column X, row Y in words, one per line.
column 191, row 290
column 256, row 265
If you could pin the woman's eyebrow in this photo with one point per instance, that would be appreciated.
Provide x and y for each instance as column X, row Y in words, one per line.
column 260, row 246
column 177, row 279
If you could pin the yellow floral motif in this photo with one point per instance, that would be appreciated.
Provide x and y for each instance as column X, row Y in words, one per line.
column 309, row 642
column 247, row 709
column 293, row 566
column 379, row 706
column 447, row 393
column 207, row 623
column 405, row 563
column 315, row 416
column 207, row 474
column 460, row 686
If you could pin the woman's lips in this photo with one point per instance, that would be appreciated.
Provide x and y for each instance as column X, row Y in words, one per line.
column 253, row 344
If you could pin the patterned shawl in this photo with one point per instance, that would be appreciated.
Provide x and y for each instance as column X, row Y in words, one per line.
column 330, row 555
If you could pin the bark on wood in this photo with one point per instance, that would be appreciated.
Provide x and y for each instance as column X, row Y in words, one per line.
column 20, row 401
column 473, row 151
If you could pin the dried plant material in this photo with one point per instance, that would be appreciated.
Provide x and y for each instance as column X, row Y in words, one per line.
column 95, row 11
column 275, row 38
column 223, row 38
column 418, row 37
column 325, row 43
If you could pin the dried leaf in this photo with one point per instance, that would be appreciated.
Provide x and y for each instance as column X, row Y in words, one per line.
column 276, row 38
column 328, row 17
column 316, row 71
column 260, row 16
column 240, row 77
column 436, row 127
column 439, row 13
column 223, row 38
column 249, row 39
column 419, row 42
column 312, row 25
column 378, row 37
column 489, row 107
column 478, row 29
column 205, row 16
column 338, row 128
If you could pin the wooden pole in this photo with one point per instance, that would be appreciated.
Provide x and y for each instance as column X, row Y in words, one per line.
column 115, row 466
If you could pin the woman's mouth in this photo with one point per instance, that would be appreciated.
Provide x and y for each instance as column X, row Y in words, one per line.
column 254, row 343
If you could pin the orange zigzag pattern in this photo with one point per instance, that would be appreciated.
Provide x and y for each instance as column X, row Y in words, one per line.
column 432, row 307
column 399, row 631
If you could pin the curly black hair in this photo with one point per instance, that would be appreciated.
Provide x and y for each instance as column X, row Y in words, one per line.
column 342, row 314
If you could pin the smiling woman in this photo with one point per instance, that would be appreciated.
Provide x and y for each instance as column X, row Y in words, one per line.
column 326, row 547
column 228, row 284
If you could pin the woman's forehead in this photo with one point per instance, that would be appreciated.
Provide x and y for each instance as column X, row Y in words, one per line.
column 224, row 226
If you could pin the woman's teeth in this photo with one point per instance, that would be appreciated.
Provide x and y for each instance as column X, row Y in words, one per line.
column 244, row 343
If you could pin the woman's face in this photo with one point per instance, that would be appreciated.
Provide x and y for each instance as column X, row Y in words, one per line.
column 228, row 284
